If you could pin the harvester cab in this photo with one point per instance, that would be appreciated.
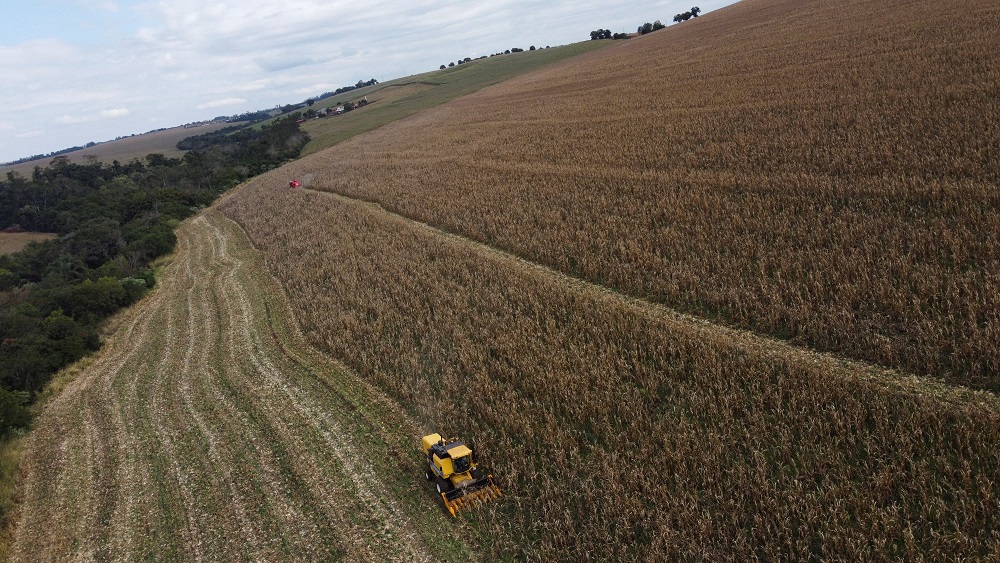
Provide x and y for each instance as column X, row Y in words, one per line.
column 451, row 465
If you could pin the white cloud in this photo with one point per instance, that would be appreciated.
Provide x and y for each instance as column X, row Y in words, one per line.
column 222, row 103
column 67, row 119
column 252, row 86
column 37, row 61
column 73, row 119
column 103, row 5
column 29, row 134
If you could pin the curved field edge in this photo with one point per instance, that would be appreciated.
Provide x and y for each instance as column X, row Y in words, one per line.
column 207, row 429
column 621, row 429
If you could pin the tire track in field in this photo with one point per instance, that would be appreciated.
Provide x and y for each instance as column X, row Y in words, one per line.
column 167, row 431
column 124, row 396
column 234, row 421
column 284, row 390
column 241, row 351
column 201, row 335
column 204, row 431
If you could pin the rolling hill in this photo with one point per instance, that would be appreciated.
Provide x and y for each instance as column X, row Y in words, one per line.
column 727, row 291
column 123, row 150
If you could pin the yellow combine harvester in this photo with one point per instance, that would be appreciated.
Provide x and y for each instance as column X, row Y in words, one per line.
column 452, row 467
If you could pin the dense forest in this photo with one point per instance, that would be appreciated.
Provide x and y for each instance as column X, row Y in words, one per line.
column 112, row 221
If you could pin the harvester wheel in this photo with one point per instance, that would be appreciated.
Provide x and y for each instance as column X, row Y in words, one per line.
column 442, row 486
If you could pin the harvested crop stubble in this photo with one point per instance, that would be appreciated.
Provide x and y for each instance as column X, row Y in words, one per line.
column 824, row 172
column 621, row 430
column 16, row 242
column 206, row 430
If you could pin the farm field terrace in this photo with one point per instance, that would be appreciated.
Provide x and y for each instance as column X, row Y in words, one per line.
column 724, row 292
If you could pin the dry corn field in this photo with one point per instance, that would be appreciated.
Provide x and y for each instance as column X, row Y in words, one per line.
column 824, row 172
column 206, row 430
column 622, row 430
column 822, row 177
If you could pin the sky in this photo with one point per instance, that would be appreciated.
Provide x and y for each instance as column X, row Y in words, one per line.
column 79, row 71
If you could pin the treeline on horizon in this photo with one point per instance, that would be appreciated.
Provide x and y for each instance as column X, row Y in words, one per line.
column 112, row 221
column 343, row 89
column 645, row 28
column 52, row 154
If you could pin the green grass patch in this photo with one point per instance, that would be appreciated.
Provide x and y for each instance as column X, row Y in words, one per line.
column 423, row 91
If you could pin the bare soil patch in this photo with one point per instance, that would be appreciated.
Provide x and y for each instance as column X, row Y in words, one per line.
column 15, row 242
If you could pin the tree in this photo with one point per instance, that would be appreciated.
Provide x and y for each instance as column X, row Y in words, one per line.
column 114, row 220
column 13, row 413
column 658, row 26
column 443, row 67
column 8, row 279
column 95, row 242
column 310, row 102
column 695, row 11
column 59, row 162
